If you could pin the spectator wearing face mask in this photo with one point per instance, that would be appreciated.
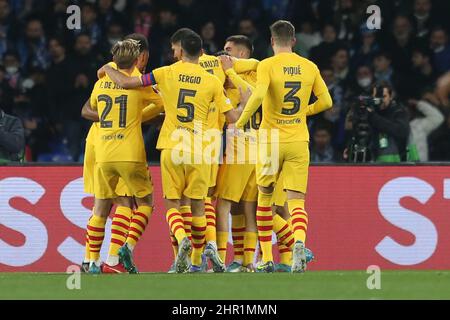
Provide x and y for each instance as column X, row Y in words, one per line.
column 13, row 73
column 439, row 43
column 364, row 79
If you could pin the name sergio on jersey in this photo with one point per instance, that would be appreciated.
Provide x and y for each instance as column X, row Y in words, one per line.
column 292, row 71
column 189, row 79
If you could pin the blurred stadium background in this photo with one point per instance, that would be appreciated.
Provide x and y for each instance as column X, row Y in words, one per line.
column 393, row 216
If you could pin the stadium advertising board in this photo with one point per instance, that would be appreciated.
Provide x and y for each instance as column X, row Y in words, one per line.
column 393, row 217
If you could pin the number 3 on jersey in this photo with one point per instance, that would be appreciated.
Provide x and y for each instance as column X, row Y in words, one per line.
column 122, row 101
column 290, row 97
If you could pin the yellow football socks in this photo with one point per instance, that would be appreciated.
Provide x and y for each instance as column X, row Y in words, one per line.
column 222, row 242
column 237, row 230
column 119, row 229
column 299, row 218
column 250, row 240
column 96, row 232
column 264, row 222
column 198, row 239
column 176, row 224
column 186, row 213
column 285, row 239
column 139, row 222
column 174, row 243
column 210, row 214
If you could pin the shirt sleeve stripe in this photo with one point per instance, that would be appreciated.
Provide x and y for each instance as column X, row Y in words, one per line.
column 148, row 79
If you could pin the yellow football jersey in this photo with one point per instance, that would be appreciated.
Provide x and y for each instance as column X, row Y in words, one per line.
column 244, row 81
column 212, row 64
column 119, row 133
column 288, row 81
column 187, row 91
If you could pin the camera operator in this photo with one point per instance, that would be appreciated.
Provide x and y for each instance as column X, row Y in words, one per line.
column 380, row 128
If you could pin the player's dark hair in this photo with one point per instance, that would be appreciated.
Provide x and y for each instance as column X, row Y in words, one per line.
column 192, row 45
column 221, row 53
column 282, row 32
column 180, row 34
column 143, row 41
column 241, row 40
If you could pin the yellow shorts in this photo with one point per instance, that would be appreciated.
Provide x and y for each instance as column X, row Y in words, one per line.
column 237, row 182
column 89, row 172
column 89, row 168
column 213, row 175
column 279, row 196
column 292, row 159
column 190, row 180
column 135, row 176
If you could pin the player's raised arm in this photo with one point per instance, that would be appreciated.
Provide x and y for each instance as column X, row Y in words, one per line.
column 123, row 80
column 262, row 84
column 324, row 101
column 88, row 113
column 238, row 82
column 151, row 111
column 245, row 65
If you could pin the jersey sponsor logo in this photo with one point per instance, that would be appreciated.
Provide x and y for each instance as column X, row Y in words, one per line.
column 109, row 137
column 289, row 122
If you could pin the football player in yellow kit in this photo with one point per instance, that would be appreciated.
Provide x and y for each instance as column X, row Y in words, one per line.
column 188, row 91
column 119, row 153
column 238, row 195
column 284, row 85
column 215, row 121
column 124, row 205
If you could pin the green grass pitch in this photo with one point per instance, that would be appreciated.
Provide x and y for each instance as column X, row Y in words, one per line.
column 311, row 285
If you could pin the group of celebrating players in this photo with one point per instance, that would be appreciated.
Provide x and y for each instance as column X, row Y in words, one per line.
column 260, row 178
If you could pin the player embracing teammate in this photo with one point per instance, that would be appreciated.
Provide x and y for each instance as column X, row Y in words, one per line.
column 195, row 105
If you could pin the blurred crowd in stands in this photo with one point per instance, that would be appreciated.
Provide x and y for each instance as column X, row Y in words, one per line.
column 47, row 71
